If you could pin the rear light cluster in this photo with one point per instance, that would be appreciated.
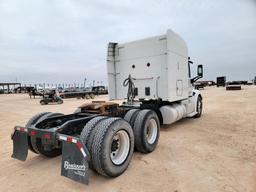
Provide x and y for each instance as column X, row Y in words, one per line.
column 47, row 136
column 33, row 133
column 69, row 139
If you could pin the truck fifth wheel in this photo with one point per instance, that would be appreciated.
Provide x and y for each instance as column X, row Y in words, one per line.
column 153, row 76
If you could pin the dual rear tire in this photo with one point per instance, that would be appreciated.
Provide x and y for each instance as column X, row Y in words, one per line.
column 31, row 122
column 146, row 128
column 110, row 142
column 35, row 144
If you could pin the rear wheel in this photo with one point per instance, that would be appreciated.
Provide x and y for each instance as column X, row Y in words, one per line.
column 131, row 115
column 37, row 143
column 31, row 122
column 60, row 101
column 92, row 96
column 87, row 131
column 146, row 131
column 47, row 153
column 112, row 147
column 43, row 102
column 87, row 96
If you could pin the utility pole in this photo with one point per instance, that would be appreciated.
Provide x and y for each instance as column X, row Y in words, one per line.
column 84, row 82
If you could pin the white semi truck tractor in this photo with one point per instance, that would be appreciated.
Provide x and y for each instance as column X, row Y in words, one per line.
column 159, row 72
column 153, row 76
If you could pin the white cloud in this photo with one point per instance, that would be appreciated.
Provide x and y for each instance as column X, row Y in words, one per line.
column 64, row 40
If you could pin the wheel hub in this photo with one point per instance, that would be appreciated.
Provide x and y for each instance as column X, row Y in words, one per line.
column 114, row 145
column 120, row 147
column 151, row 131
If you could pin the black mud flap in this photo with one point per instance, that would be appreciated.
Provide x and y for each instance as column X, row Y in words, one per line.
column 74, row 162
column 20, row 145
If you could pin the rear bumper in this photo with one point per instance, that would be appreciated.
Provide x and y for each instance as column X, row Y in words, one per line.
column 75, row 156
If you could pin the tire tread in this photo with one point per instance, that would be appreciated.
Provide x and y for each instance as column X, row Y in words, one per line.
column 101, row 130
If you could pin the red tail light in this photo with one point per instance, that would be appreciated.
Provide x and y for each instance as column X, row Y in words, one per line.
column 69, row 139
column 33, row 133
column 47, row 136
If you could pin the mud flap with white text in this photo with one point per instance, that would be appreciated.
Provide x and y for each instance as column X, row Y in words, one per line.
column 74, row 165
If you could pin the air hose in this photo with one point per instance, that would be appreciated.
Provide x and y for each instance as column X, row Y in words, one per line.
column 131, row 89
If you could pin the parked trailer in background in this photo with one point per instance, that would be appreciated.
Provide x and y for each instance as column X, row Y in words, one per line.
column 221, row 81
column 153, row 75
column 78, row 94
column 233, row 85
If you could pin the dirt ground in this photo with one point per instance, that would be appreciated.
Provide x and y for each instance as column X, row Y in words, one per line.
column 214, row 153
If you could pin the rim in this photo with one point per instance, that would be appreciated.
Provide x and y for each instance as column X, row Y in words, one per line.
column 151, row 131
column 120, row 147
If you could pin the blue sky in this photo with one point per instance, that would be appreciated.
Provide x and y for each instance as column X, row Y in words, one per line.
column 63, row 41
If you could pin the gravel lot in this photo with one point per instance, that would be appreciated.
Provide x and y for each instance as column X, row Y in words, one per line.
column 214, row 153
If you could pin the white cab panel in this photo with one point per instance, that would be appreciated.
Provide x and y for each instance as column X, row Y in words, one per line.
column 159, row 64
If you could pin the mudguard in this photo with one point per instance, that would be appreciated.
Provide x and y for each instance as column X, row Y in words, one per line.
column 20, row 143
column 75, row 157
column 193, row 100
